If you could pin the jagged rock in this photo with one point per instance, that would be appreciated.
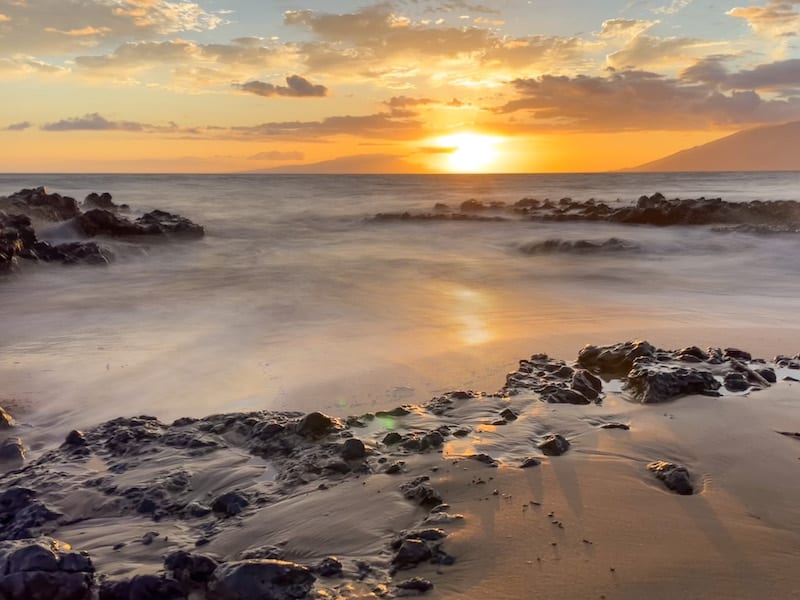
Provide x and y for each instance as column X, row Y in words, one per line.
column 21, row 512
column 615, row 360
column 421, row 492
column 97, row 221
column 39, row 203
column 554, row 445
column 651, row 382
column 410, row 553
column 392, row 438
column 675, row 477
column 768, row 374
column 71, row 253
column 586, row 384
column 261, row 580
column 104, row 201
column 508, row 414
column 559, row 395
column 316, row 425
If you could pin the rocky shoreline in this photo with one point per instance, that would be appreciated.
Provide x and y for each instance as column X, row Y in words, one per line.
column 198, row 504
column 756, row 216
column 22, row 212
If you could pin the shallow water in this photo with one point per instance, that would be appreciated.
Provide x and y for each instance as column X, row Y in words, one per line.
column 296, row 299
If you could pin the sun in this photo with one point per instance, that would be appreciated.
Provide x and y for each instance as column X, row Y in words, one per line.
column 469, row 152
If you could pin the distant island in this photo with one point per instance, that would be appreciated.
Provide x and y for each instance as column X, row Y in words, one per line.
column 771, row 148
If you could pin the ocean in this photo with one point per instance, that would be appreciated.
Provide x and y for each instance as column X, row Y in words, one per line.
column 297, row 298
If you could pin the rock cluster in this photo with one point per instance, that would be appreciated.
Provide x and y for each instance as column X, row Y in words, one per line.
column 19, row 240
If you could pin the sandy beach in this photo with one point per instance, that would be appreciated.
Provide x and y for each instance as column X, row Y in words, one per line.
column 465, row 496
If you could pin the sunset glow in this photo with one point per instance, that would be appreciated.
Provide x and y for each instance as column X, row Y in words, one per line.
column 470, row 152
column 363, row 86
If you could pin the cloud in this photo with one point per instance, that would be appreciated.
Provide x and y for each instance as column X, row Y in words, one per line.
column 782, row 77
column 636, row 101
column 277, row 155
column 93, row 122
column 776, row 18
column 296, row 87
column 673, row 7
column 48, row 27
column 378, row 125
column 20, row 65
column 21, row 126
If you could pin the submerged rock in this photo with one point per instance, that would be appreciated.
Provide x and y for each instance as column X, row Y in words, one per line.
column 675, row 477
column 261, row 580
column 554, row 445
column 98, row 221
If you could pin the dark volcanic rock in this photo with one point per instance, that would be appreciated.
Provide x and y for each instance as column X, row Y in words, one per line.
column 554, row 445
column 104, row 201
column 75, row 438
column 261, row 580
column 530, row 462
column 589, row 247
column 675, row 477
column 615, row 360
column 411, row 553
column 158, row 222
column 736, row 382
column 21, row 513
column 415, row 584
column 353, row 449
column 71, row 253
column 559, row 395
column 41, row 570
column 316, row 425
column 622, row 426
column 651, row 382
column 421, row 492
column 586, row 384
column 39, row 203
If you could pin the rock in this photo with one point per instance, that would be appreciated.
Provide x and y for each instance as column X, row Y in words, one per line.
column 558, row 395
column 737, row 354
column 530, row 462
column 197, row 509
column 261, row 580
column 586, row 384
column 433, row 439
column 104, row 201
column 508, row 414
column 392, row 438
column 40, row 570
column 615, row 360
column 143, row 587
column 736, row 382
column 421, row 492
column 97, row 221
column 411, row 553
column 415, row 584
column 651, row 382
column 190, row 568
column 6, row 420
column 75, row 438
column 315, row 425
column 675, row 477
column 615, row 426
column 768, row 374
column 485, row 459
column 39, row 203
column 12, row 450
column 329, row 567
column 72, row 253
column 270, row 552
column 554, row 445
column 230, row 504
column 21, row 513
column 353, row 449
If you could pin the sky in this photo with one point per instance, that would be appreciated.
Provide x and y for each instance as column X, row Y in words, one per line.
column 390, row 86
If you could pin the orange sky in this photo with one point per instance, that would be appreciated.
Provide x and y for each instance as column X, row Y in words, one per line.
column 403, row 85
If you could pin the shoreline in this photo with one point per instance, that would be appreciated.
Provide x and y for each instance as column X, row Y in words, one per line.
column 302, row 488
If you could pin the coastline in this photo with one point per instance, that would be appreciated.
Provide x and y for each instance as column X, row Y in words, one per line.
column 593, row 522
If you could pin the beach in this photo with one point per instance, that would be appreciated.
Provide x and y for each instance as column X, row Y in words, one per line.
column 312, row 330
